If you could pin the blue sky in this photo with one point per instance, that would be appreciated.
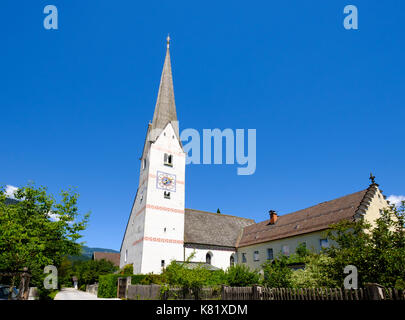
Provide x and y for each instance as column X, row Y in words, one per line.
column 327, row 103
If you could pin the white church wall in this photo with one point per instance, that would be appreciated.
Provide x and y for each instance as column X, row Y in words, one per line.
column 164, row 218
column 219, row 258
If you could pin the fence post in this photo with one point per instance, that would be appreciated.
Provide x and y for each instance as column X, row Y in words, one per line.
column 223, row 292
column 24, row 285
column 257, row 292
column 128, row 283
column 375, row 291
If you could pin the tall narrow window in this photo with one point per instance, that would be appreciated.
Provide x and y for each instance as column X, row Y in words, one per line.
column 168, row 160
column 162, row 263
column 126, row 255
column 208, row 258
column 256, row 256
column 244, row 257
column 232, row 260
column 270, row 254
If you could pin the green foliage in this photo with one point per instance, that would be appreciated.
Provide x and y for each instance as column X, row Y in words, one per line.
column 127, row 270
column 377, row 251
column 179, row 274
column 314, row 275
column 216, row 278
column 107, row 286
column 149, row 278
column 241, row 276
column 52, row 294
column 302, row 251
column 87, row 272
column 36, row 230
column 277, row 274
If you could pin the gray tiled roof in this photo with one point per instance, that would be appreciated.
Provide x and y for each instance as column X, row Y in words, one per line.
column 165, row 109
column 201, row 227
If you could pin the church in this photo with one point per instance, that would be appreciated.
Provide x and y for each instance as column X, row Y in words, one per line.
column 160, row 229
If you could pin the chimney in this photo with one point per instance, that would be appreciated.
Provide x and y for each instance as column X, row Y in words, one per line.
column 273, row 217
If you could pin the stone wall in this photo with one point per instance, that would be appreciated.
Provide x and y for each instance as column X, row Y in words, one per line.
column 92, row 288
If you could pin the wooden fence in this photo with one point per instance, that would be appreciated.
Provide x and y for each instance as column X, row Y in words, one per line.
column 371, row 292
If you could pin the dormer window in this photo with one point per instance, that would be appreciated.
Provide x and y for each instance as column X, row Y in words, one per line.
column 168, row 160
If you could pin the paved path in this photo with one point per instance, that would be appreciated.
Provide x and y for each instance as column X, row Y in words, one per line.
column 74, row 294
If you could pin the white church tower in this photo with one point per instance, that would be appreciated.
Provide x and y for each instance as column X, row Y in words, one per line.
column 154, row 235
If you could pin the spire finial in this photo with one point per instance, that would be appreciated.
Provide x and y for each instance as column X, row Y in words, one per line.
column 372, row 178
column 168, row 41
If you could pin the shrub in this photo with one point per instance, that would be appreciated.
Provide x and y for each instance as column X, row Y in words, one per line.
column 313, row 276
column 127, row 270
column 149, row 278
column 241, row 276
column 217, row 277
column 277, row 274
column 107, row 286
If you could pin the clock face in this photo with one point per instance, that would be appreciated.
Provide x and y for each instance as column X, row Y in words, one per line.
column 166, row 181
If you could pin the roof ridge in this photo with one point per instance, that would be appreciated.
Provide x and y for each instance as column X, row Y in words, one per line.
column 315, row 205
column 219, row 214
column 304, row 219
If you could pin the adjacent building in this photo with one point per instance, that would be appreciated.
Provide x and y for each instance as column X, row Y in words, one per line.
column 283, row 234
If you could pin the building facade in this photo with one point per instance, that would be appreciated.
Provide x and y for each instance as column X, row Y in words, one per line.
column 266, row 240
column 160, row 229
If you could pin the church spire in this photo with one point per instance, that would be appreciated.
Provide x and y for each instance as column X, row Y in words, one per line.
column 165, row 109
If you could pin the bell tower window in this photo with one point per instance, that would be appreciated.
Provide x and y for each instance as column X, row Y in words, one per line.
column 168, row 160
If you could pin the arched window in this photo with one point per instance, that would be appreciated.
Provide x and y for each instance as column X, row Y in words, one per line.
column 232, row 260
column 208, row 258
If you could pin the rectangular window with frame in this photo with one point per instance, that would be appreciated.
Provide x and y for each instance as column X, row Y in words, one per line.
column 286, row 250
column 270, row 254
column 256, row 256
column 324, row 243
column 244, row 257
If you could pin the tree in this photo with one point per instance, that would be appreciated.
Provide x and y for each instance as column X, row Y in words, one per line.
column 184, row 275
column 377, row 251
column 87, row 272
column 241, row 276
column 276, row 273
column 36, row 230
column 314, row 275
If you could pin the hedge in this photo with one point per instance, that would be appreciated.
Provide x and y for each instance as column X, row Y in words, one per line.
column 146, row 279
column 107, row 284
